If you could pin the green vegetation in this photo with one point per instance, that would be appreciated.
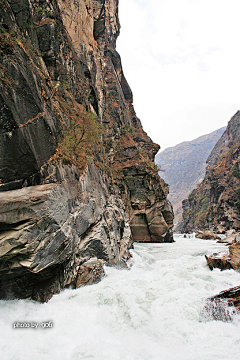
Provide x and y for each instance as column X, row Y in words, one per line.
column 10, row 40
column 203, row 211
column 235, row 171
column 44, row 12
column 127, row 128
column 154, row 166
column 192, row 195
column 77, row 139
column 60, row 88
column 27, row 26
column 199, row 205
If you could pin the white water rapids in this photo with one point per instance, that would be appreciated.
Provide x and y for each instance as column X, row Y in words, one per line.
column 148, row 313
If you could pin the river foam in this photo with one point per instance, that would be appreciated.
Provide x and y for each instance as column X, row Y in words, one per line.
column 149, row 312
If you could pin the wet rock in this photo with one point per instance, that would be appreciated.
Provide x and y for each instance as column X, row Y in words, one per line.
column 229, row 240
column 234, row 253
column 91, row 272
column 225, row 260
column 222, row 306
column 207, row 235
column 219, row 260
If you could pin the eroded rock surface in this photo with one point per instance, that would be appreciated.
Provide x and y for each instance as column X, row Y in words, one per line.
column 222, row 306
column 227, row 303
column 225, row 260
column 61, row 203
column 220, row 260
column 49, row 231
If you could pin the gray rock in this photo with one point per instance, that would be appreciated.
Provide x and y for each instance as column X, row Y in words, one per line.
column 57, row 228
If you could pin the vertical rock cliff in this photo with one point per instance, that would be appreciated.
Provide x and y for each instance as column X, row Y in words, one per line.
column 78, row 181
column 215, row 204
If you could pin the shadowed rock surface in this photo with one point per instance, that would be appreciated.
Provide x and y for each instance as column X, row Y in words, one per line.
column 77, row 170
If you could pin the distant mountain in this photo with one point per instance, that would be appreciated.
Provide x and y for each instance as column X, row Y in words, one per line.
column 183, row 168
column 215, row 203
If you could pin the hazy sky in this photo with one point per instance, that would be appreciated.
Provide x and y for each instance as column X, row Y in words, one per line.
column 181, row 59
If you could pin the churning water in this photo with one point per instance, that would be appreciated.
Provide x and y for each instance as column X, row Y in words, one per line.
column 149, row 312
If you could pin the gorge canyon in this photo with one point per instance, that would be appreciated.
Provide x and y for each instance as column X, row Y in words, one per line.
column 78, row 182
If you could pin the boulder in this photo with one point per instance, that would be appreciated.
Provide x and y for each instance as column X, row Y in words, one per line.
column 91, row 272
column 229, row 240
column 230, row 232
column 222, row 306
column 221, row 229
column 219, row 260
column 234, row 253
column 225, row 260
column 207, row 235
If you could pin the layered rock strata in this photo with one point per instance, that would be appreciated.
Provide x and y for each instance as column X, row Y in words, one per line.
column 76, row 168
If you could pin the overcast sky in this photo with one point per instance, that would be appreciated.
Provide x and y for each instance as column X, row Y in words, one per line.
column 181, row 59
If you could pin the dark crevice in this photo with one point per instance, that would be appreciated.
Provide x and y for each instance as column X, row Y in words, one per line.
column 99, row 24
column 32, row 180
column 93, row 100
column 4, row 226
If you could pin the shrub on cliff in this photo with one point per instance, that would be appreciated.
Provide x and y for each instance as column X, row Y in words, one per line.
column 77, row 139
column 80, row 130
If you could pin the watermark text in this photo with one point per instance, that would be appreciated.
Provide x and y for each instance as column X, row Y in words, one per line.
column 32, row 325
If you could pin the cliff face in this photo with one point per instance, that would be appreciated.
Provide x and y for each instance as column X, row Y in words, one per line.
column 216, row 202
column 183, row 168
column 76, row 167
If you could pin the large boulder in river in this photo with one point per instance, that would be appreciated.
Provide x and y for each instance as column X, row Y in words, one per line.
column 230, row 239
column 234, row 253
column 207, row 235
column 219, row 260
column 222, row 306
column 225, row 260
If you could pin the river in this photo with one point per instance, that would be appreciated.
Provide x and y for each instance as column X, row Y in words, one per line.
column 150, row 312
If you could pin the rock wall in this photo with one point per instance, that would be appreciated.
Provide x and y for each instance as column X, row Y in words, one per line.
column 76, row 167
column 215, row 204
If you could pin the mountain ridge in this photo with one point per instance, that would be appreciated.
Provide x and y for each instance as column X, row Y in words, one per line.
column 215, row 203
column 183, row 167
